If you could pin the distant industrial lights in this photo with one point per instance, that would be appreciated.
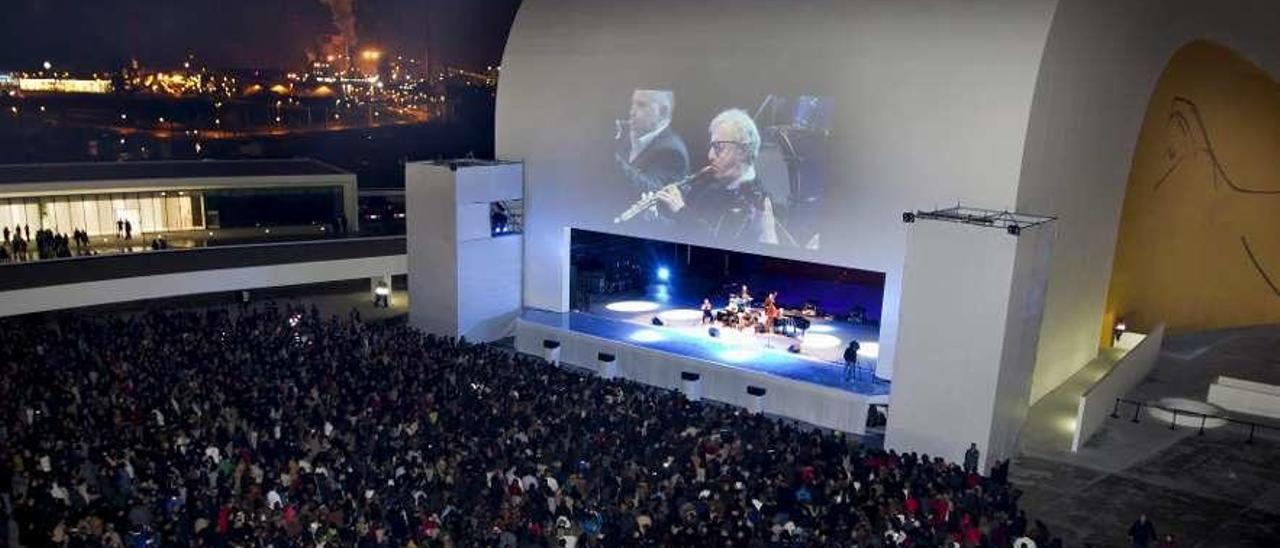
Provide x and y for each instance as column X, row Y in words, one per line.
column 632, row 306
column 47, row 65
column 664, row 274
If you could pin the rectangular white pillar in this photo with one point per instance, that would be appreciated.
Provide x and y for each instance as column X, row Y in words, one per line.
column 968, row 324
column 463, row 280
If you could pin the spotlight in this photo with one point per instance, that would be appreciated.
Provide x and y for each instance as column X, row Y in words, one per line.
column 908, row 217
column 647, row 336
column 713, row 332
column 664, row 273
column 656, row 321
column 632, row 306
column 1014, row 230
column 794, row 348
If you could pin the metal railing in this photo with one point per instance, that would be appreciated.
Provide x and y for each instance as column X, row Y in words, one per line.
column 1204, row 417
column 48, row 272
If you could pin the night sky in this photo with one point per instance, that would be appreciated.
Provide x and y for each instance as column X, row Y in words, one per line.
column 103, row 34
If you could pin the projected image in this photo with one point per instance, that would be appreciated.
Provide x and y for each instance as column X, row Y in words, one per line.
column 760, row 180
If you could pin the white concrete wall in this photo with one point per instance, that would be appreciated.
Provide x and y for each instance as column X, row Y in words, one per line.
column 61, row 297
column 931, row 101
column 464, row 281
column 432, row 246
column 1099, row 400
column 805, row 401
column 1033, row 104
column 1099, row 68
column 489, row 268
column 1243, row 396
column 1021, row 337
column 953, row 319
column 489, row 289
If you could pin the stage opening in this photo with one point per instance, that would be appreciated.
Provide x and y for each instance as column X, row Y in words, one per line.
column 801, row 320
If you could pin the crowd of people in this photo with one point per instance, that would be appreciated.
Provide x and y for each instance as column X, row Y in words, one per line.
column 17, row 244
column 274, row 426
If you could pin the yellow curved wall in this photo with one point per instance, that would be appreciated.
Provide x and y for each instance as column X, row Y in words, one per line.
column 1199, row 239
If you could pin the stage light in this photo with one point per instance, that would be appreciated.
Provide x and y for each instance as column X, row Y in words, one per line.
column 647, row 336
column 662, row 293
column 739, row 354
column 664, row 273
column 822, row 328
column 713, row 332
column 632, row 306
column 869, row 349
column 680, row 315
column 817, row 341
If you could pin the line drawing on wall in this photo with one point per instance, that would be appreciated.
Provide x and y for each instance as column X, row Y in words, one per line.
column 1190, row 135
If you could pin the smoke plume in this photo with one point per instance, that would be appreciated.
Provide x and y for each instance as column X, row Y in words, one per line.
column 344, row 19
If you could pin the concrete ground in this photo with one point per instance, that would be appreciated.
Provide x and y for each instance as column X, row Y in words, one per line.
column 1207, row 490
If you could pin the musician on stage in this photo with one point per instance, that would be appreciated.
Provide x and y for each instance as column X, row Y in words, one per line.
column 706, row 312
column 732, row 206
column 745, row 295
column 771, row 311
column 650, row 154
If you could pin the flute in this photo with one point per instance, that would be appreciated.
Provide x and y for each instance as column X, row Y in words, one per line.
column 649, row 199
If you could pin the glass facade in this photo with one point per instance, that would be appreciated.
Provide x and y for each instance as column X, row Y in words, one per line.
column 148, row 212
column 254, row 207
column 175, row 210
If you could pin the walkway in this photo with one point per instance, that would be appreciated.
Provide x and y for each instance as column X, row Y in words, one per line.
column 1211, row 490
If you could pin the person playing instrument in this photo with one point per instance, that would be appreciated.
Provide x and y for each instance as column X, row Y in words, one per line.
column 744, row 294
column 771, row 311
column 706, row 312
column 733, row 206
column 650, row 155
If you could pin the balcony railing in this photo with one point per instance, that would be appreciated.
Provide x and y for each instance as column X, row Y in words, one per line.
column 48, row 272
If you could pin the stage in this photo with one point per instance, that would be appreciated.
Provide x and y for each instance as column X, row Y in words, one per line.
column 808, row 386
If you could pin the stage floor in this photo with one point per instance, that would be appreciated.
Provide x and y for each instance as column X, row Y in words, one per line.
column 821, row 365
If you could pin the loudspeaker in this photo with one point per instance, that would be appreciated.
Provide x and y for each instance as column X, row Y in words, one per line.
column 794, row 349
column 687, row 376
column 713, row 332
column 550, row 344
column 755, row 390
column 601, row 356
column 656, row 321
column 908, row 217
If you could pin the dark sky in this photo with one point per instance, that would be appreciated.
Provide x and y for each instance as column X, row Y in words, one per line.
column 99, row 34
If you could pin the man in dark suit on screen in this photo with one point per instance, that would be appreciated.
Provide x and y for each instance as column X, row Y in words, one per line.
column 650, row 154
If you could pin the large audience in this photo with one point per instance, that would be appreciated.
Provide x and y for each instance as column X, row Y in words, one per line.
column 273, row 426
